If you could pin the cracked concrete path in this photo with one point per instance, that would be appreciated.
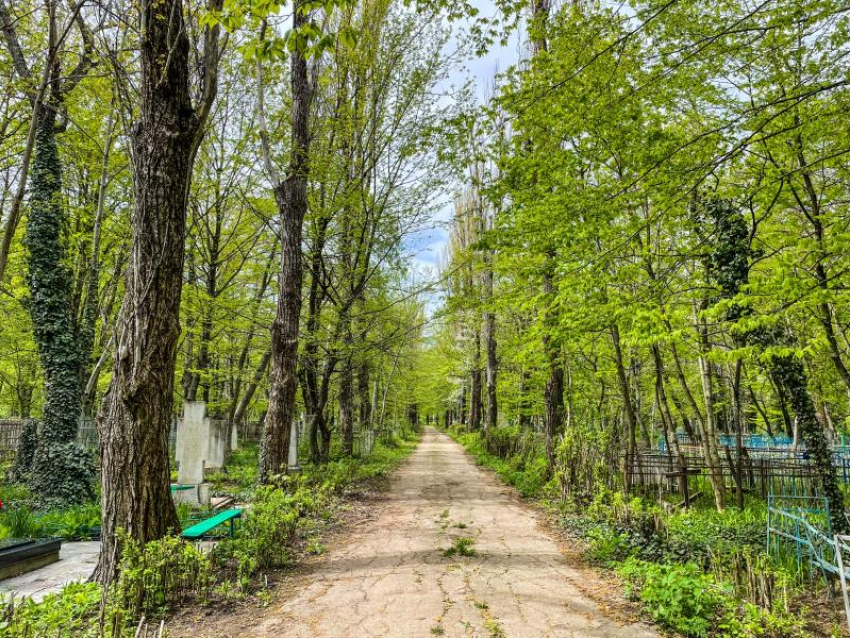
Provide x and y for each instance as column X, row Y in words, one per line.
column 393, row 580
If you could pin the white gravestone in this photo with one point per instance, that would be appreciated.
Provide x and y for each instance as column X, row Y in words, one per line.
column 293, row 447
column 234, row 438
column 192, row 443
column 218, row 433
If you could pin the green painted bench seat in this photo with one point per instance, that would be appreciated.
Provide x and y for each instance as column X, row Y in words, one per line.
column 198, row 530
column 177, row 487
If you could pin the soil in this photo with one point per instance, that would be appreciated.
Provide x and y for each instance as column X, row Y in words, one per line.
column 393, row 573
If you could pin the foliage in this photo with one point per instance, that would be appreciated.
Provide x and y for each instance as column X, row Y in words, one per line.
column 683, row 598
column 62, row 473
column 158, row 576
column 79, row 522
column 19, row 522
column 72, row 611
column 680, row 597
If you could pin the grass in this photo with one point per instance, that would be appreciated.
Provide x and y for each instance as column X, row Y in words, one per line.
column 462, row 546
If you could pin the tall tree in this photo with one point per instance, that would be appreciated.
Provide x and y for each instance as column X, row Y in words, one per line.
column 136, row 414
column 290, row 194
column 60, row 469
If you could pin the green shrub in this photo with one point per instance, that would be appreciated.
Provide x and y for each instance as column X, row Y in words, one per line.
column 702, row 534
column 20, row 522
column 684, row 598
column 69, row 612
column 679, row 597
column 156, row 576
column 266, row 530
column 73, row 523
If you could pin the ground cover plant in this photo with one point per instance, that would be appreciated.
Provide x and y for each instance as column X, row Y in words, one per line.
column 698, row 572
column 162, row 575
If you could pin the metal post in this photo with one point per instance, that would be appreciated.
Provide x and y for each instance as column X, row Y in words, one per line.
column 840, row 560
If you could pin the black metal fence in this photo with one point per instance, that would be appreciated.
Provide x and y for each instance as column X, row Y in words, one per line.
column 759, row 474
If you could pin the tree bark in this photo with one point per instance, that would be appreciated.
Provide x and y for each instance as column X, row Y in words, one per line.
column 346, row 403
column 709, row 431
column 135, row 417
column 554, row 392
column 291, row 199
column 364, row 398
column 629, row 408
column 242, row 409
column 475, row 404
column 490, row 360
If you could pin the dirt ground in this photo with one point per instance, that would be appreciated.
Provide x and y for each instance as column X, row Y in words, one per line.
column 392, row 577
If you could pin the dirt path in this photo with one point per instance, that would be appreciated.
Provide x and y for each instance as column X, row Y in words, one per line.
column 393, row 580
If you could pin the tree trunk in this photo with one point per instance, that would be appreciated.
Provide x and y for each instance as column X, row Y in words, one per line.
column 475, row 404
column 135, row 416
column 554, row 392
column 242, row 409
column 709, row 432
column 291, row 199
column 490, row 361
column 791, row 376
column 346, row 400
column 667, row 419
column 364, row 399
column 56, row 471
column 629, row 408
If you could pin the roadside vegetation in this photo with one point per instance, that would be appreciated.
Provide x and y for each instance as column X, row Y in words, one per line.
column 280, row 523
column 696, row 572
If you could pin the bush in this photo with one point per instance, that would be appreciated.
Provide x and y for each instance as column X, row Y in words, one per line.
column 69, row 612
column 683, row 598
column 679, row 597
column 703, row 535
column 263, row 537
column 20, row 522
column 74, row 523
column 156, row 576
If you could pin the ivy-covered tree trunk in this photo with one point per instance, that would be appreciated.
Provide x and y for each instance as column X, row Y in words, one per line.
column 61, row 469
column 728, row 266
column 791, row 375
column 135, row 417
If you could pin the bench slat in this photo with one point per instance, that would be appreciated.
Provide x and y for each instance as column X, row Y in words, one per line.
column 199, row 529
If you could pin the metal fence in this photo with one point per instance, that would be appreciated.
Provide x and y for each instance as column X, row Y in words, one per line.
column 662, row 472
column 10, row 434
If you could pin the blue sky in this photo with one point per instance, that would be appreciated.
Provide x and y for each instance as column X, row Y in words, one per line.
column 427, row 247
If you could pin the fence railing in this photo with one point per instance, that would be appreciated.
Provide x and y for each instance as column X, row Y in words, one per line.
column 802, row 524
column 662, row 472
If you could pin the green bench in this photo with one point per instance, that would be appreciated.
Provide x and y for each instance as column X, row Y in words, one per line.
column 177, row 487
column 197, row 531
